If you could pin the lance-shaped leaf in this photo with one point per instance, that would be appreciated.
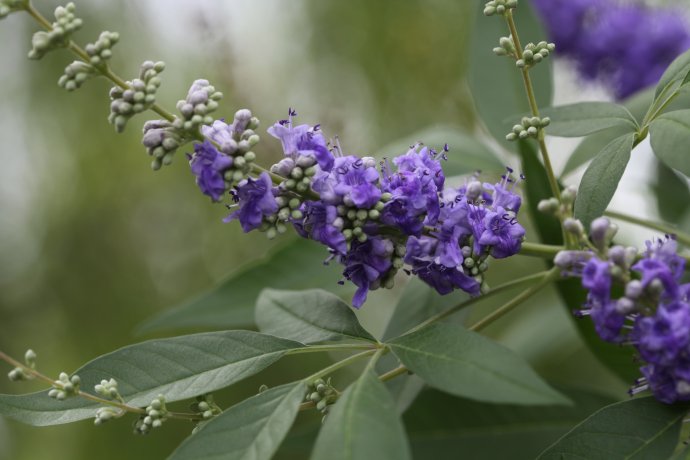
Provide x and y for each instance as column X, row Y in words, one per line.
column 179, row 368
column 670, row 139
column 672, row 193
column 252, row 429
column 591, row 145
column 468, row 364
column 601, row 178
column 297, row 265
column 440, row 425
column 418, row 302
column 674, row 76
column 583, row 118
column 307, row 316
column 363, row 424
column 636, row 429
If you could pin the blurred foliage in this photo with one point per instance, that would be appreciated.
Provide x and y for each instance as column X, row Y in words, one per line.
column 93, row 242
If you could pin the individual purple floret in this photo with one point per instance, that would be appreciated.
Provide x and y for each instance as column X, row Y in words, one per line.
column 208, row 165
column 602, row 37
column 366, row 265
column 303, row 141
column 256, row 200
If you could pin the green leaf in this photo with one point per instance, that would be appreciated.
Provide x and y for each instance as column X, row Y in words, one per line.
column 495, row 82
column 678, row 70
column 440, row 425
column 636, row 429
column 252, row 429
column 584, row 118
column 601, row 179
column 670, row 137
column 468, row 364
column 418, row 302
column 672, row 194
column 179, row 368
column 307, row 316
column 363, row 424
column 297, row 265
column 591, row 145
column 466, row 155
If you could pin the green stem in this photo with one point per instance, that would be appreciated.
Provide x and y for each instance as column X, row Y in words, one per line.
column 545, row 251
column 342, row 363
column 503, row 287
column 398, row 371
column 529, row 89
column 120, row 405
column 680, row 236
column 549, row 276
column 333, row 347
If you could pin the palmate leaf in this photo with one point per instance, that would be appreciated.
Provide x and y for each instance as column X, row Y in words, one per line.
column 179, row 368
column 440, row 426
column 495, row 83
column 252, row 429
column 601, row 178
column 363, row 425
column 308, row 316
column 296, row 265
column 464, row 363
column 584, row 118
column 636, row 429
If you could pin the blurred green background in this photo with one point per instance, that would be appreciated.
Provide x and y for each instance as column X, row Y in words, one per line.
column 92, row 242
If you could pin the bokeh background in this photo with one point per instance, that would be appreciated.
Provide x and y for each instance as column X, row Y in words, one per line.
column 93, row 242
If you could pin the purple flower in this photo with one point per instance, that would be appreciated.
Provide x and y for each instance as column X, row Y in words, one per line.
column 208, row 165
column 320, row 224
column 414, row 195
column 303, row 141
column 596, row 277
column 353, row 181
column 422, row 255
column 502, row 232
column 366, row 264
column 424, row 162
column 602, row 37
column 256, row 201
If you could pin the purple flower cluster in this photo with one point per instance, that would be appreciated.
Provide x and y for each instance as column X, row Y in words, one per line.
column 373, row 217
column 625, row 45
column 653, row 314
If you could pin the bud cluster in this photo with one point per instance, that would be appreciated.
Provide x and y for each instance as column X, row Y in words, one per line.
column 65, row 387
column 107, row 413
column 506, row 47
column 528, row 127
column 534, row 54
column 499, row 7
column 322, row 394
column 139, row 95
column 59, row 35
column 10, row 6
column 156, row 414
column 202, row 99
column 101, row 51
column 75, row 75
column 19, row 373
column 108, row 389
